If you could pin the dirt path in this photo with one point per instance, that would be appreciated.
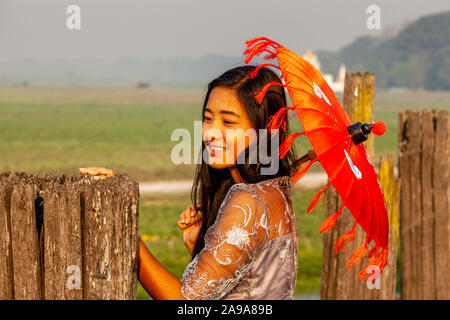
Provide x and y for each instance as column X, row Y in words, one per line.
column 310, row 181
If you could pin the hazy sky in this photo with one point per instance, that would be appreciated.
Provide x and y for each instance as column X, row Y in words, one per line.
column 111, row 29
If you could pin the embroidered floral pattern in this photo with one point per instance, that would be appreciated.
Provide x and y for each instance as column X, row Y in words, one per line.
column 254, row 223
column 238, row 237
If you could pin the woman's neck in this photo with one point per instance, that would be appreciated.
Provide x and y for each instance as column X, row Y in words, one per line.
column 236, row 175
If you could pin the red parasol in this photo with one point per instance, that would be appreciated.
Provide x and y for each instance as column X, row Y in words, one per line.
column 337, row 146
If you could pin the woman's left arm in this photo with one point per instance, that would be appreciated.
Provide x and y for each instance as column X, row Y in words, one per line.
column 159, row 283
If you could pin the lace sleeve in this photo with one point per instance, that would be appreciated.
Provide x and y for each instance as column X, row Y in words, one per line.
column 230, row 245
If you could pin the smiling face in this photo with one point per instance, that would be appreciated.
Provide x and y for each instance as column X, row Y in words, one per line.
column 224, row 129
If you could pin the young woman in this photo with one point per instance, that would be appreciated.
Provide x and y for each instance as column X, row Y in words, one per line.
column 242, row 232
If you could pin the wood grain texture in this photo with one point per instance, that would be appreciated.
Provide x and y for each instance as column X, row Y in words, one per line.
column 97, row 244
column 6, row 262
column 62, row 242
column 405, row 206
column 427, row 222
column 25, row 244
column 441, row 201
column 68, row 237
column 337, row 281
column 110, row 221
column 424, row 213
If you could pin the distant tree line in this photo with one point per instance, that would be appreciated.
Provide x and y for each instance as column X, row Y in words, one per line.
column 418, row 57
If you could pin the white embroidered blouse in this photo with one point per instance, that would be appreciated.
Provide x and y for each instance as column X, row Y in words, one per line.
column 251, row 249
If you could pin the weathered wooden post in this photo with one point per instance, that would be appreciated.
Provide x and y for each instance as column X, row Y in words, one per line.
column 62, row 248
column 425, row 218
column 338, row 282
column 391, row 189
column 21, row 279
column 68, row 237
column 110, row 230
column 6, row 267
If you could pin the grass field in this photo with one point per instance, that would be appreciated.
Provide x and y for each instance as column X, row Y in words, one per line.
column 62, row 129
column 59, row 129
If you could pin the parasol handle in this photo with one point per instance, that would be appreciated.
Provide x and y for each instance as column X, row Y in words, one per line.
column 310, row 155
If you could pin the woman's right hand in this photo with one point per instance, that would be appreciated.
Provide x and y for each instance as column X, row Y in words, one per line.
column 190, row 222
column 189, row 217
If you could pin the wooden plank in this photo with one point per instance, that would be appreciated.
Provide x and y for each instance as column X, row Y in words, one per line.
column 6, row 262
column 391, row 191
column 423, row 150
column 326, row 278
column 120, row 267
column 441, row 177
column 405, row 207
column 330, row 237
column 97, row 244
column 361, row 110
column 345, row 277
column 352, row 90
column 415, row 138
column 427, row 222
column 364, row 112
column 134, row 240
column 358, row 104
column 334, row 263
column 125, row 199
column 25, row 244
column 62, row 242
column 110, row 238
column 74, row 260
column 411, row 208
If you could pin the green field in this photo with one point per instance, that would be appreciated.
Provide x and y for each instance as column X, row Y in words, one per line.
column 60, row 129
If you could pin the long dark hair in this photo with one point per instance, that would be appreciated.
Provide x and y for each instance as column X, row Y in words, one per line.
column 211, row 185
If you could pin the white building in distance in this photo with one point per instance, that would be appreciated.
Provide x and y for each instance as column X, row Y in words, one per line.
column 338, row 85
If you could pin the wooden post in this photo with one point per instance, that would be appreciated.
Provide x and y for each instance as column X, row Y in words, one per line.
column 440, row 176
column 86, row 247
column 125, row 214
column 391, row 191
column 6, row 262
column 425, row 223
column 62, row 241
column 25, row 244
column 338, row 282
column 110, row 212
